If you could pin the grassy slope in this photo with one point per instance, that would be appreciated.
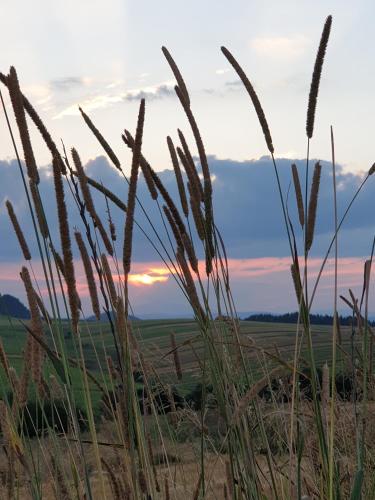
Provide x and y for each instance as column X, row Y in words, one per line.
column 154, row 341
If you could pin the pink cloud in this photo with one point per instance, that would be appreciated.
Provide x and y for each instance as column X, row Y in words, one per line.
column 257, row 284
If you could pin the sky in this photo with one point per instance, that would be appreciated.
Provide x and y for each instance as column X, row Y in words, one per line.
column 105, row 59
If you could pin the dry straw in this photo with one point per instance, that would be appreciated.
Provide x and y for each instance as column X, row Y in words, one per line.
column 107, row 148
column 176, row 357
column 152, row 460
column 89, row 275
column 142, row 481
column 166, row 488
column 59, row 483
column 298, row 192
column 314, row 88
column 252, row 393
column 229, row 477
column 129, row 222
column 19, row 112
column 116, row 487
column 313, row 204
column 253, row 96
column 177, row 74
column 198, row 487
column 18, row 231
column 179, row 179
column 68, row 268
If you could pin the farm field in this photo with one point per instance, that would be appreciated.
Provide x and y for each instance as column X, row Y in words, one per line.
column 153, row 337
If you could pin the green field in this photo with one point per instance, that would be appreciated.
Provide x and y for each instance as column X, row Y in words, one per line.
column 154, row 342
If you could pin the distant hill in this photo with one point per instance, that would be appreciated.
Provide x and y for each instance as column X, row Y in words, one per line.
column 104, row 317
column 315, row 319
column 11, row 306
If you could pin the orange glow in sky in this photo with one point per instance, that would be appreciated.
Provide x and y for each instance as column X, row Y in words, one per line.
column 146, row 279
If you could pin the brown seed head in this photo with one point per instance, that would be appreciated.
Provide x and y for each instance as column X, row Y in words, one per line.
column 43, row 226
column 129, row 222
column 206, row 177
column 194, row 186
column 313, row 204
column 84, row 184
column 69, row 273
column 189, row 284
column 189, row 165
column 315, row 81
column 189, row 247
column 39, row 124
column 89, row 201
column 107, row 148
column 19, row 113
column 36, row 326
column 109, row 280
column 175, row 230
column 298, row 192
column 177, row 75
column 142, row 481
column 18, row 231
column 112, row 230
column 296, row 281
column 179, row 179
column 89, row 275
column 129, row 141
column 253, row 96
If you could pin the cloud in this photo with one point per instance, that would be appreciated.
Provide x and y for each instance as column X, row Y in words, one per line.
column 222, row 71
column 247, row 212
column 280, row 47
column 246, row 203
column 68, row 82
column 100, row 101
column 233, row 85
column 151, row 93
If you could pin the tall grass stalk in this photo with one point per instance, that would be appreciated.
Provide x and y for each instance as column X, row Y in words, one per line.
column 145, row 411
